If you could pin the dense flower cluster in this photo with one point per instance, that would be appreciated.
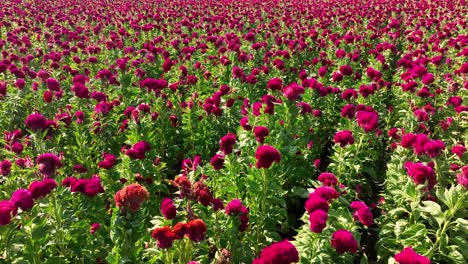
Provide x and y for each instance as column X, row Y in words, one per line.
column 266, row 155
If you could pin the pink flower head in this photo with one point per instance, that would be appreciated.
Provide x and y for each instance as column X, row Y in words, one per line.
column 217, row 161
column 434, row 147
column 48, row 163
column 280, row 252
column 421, row 173
column 344, row 138
column 462, row 178
column 260, row 133
column 328, row 179
column 266, row 155
column 94, row 227
column 409, row 256
column 226, row 143
column 36, row 122
column 168, row 209
column 316, row 202
column 362, row 213
column 344, row 241
column 39, row 189
column 369, row 121
column 23, row 199
column 7, row 211
column 318, row 220
column 293, row 91
column 164, row 236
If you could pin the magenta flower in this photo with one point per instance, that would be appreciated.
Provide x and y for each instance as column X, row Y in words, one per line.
column 23, row 199
column 266, row 155
column 409, row 256
column 318, row 220
column 168, row 209
column 280, row 252
column 344, row 138
column 48, row 163
column 226, row 143
column 344, row 241
column 260, row 133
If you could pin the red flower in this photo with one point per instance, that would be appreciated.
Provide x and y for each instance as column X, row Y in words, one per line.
column 275, row 84
column 5, row 167
column 39, row 189
column 260, row 133
column 164, row 236
column 434, row 147
column 196, row 230
column 266, row 155
column 217, row 161
column 180, row 229
column 36, row 122
column 279, row 253
column 409, row 256
column 293, row 91
column 344, row 241
column 94, row 227
column 48, row 162
column 226, row 143
column 462, row 178
column 344, row 138
column 326, row 192
column 131, row 197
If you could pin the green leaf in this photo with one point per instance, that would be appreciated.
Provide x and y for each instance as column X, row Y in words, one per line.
column 434, row 210
column 414, row 231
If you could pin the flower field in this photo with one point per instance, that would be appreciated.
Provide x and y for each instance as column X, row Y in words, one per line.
column 248, row 131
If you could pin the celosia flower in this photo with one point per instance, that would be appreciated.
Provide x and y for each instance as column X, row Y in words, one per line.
column 226, row 143
column 23, row 199
column 168, row 209
column 260, row 133
column 266, row 155
column 48, row 162
column 408, row 140
column 344, row 138
column 108, row 162
column 409, row 256
column 328, row 179
column 434, row 147
column 7, row 211
column 344, row 241
column 326, row 192
column 36, row 122
column 421, row 173
column 362, row 213
column 316, row 202
column 164, row 236
column 318, row 220
column 459, row 150
column 196, row 230
column 367, row 120
column 131, row 197
column 293, row 91
column 94, row 227
column 462, row 178
column 5, row 167
column 180, row 230
column 278, row 253
column 217, row 161
column 39, row 189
